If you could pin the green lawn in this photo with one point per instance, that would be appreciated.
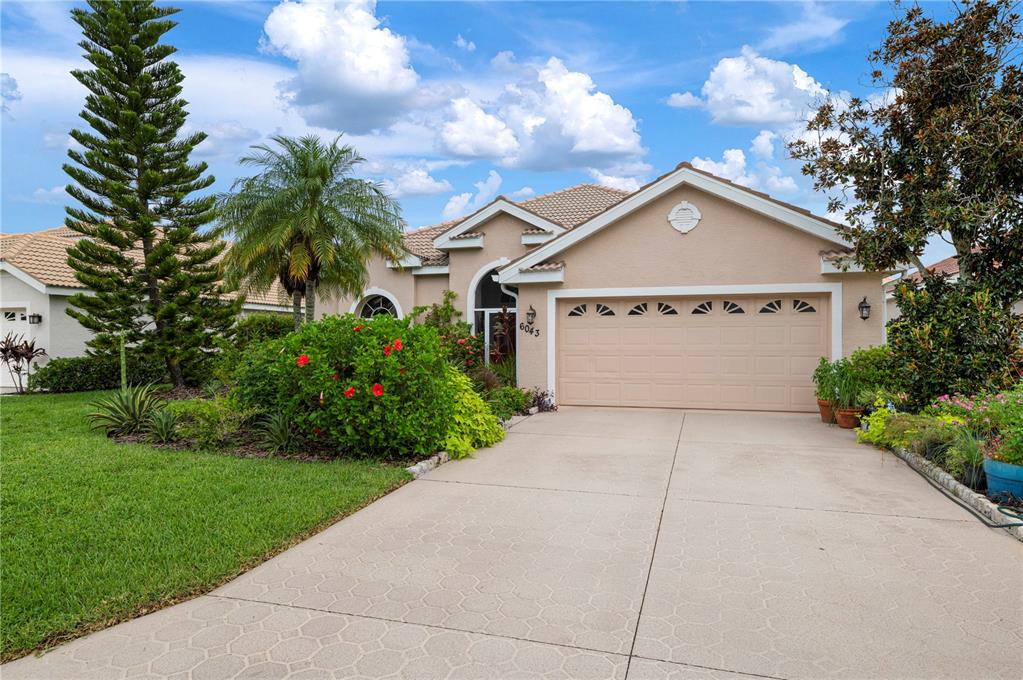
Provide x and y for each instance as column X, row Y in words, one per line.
column 93, row 532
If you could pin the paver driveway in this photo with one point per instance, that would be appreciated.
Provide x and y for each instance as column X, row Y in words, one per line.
column 599, row 543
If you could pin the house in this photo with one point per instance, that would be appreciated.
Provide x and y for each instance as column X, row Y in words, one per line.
column 35, row 283
column 692, row 291
column 948, row 267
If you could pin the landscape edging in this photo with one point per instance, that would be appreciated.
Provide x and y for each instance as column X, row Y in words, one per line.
column 424, row 466
column 976, row 501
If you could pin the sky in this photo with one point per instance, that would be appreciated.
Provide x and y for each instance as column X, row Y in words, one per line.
column 453, row 104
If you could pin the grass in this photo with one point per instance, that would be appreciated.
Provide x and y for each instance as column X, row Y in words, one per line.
column 93, row 532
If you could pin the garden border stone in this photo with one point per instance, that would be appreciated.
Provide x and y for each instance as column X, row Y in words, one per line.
column 424, row 466
column 975, row 500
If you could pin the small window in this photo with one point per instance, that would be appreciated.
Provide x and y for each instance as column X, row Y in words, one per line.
column 638, row 310
column 664, row 309
column 10, row 316
column 732, row 308
column 377, row 305
column 604, row 310
column 772, row 307
column 704, row 308
column 803, row 307
column 578, row 310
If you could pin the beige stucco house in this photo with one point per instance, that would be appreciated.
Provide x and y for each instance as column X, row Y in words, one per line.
column 691, row 292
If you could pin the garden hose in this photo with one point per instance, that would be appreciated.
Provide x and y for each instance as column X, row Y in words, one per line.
column 1004, row 509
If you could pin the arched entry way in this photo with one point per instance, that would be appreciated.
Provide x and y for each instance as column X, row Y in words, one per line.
column 493, row 315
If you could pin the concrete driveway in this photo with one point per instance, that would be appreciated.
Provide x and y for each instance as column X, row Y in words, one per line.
column 600, row 543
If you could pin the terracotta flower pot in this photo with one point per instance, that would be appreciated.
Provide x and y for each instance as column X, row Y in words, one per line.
column 848, row 418
column 827, row 412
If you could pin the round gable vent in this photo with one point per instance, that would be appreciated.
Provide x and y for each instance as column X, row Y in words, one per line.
column 684, row 217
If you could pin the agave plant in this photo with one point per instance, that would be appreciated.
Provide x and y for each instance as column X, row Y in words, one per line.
column 162, row 426
column 126, row 411
column 276, row 433
column 17, row 354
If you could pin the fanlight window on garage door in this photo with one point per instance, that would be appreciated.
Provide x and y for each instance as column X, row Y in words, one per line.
column 377, row 305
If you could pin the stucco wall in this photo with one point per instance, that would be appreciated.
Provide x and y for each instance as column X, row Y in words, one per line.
column 430, row 289
column 398, row 283
column 502, row 238
column 15, row 294
column 67, row 336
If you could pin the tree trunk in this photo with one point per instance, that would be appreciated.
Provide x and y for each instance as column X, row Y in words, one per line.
column 310, row 301
column 296, row 308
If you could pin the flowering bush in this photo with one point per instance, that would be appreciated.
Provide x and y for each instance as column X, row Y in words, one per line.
column 368, row 387
column 463, row 349
column 473, row 425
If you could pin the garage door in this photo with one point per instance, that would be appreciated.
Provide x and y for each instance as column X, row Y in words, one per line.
column 750, row 353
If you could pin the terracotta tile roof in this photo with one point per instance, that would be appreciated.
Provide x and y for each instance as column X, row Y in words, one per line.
column 836, row 253
column 949, row 266
column 43, row 256
column 572, row 206
column 545, row 267
column 420, row 243
column 529, row 232
column 467, row 235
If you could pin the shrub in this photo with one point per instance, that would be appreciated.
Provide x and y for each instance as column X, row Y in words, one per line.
column 952, row 337
column 507, row 401
column 875, row 368
column 824, row 380
column 100, row 372
column 1008, row 447
column 276, row 433
column 210, row 423
column 505, row 370
column 873, row 426
column 162, row 426
column 541, row 400
column 473, row 425
column 484, row 379
column 370, row 387
column 261, row 327
column 125, row 411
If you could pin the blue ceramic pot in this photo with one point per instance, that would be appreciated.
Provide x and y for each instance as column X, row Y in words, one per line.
column 1003, row 478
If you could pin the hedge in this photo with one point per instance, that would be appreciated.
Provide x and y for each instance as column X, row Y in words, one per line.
column 81, row 374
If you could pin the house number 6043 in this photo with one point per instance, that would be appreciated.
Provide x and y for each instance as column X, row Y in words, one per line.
column 529, row 330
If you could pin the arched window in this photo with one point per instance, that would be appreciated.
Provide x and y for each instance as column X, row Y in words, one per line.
column 376, row 305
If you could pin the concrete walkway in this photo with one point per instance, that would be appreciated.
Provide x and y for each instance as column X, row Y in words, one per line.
column 613, row 543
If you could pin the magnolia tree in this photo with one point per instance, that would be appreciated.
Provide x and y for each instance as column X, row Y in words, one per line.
column 937, row 153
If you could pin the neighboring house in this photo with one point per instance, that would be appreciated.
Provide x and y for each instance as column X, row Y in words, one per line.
column 949, row 266
column 35, row 283
column 691, row 292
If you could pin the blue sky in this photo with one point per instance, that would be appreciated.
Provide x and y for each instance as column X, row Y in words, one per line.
column 454, row 103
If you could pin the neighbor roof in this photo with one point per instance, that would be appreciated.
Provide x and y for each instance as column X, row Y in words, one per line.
column 43, row 256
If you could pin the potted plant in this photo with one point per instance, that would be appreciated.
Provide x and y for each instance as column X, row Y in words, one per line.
column 847, row 393
column 1003, row 464
column 824, row 379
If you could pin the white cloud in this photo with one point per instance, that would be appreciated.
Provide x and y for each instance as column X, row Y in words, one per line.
column 524, row 192
column 614, row 181
column 415, row 182
column 463, row 44
column 733, row 166
column 475, row 133
column 53, row 196
column 353, row 74
column 9, row 92
column 814, row 27
column 684, row 100
column 226, row 139
column 461, row 204
column 753, row 90
column 763, row 144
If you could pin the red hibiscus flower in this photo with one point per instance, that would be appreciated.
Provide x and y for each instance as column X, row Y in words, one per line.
column 387, row 350
column 398, row 346
column 378, row 390
column 460, row 341
column 358, row 328
column 302, row 360
column 350, row 392
column 317, row 431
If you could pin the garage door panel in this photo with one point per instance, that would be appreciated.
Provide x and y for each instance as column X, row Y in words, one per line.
column 760, row 360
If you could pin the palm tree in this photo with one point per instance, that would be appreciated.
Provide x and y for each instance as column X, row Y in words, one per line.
column 304, row 220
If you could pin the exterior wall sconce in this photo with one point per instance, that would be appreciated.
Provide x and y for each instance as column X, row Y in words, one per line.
column 864, row 308
column 35, row 319
column 530, row 315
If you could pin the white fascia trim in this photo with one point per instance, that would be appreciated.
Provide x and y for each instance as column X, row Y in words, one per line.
column 409, row 261
column 431, row 270
column 461, row 243
column 377, row 291
column 536, row 239
column 22, row 276
column 553, row 276
column 681, row 176
column 263, row 307
column 835, row 289
column 444, row 240
column 470, row 296
column 829, row 267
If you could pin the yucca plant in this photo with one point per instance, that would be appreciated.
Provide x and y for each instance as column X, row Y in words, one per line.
column 125, row 411
column 276, row 433
column 162, row 426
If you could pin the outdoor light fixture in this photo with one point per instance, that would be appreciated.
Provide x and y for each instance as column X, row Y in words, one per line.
column 864, row 308
column 35, row 319
column 530, row 315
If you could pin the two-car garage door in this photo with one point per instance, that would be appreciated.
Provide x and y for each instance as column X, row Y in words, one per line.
column 754, row 353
